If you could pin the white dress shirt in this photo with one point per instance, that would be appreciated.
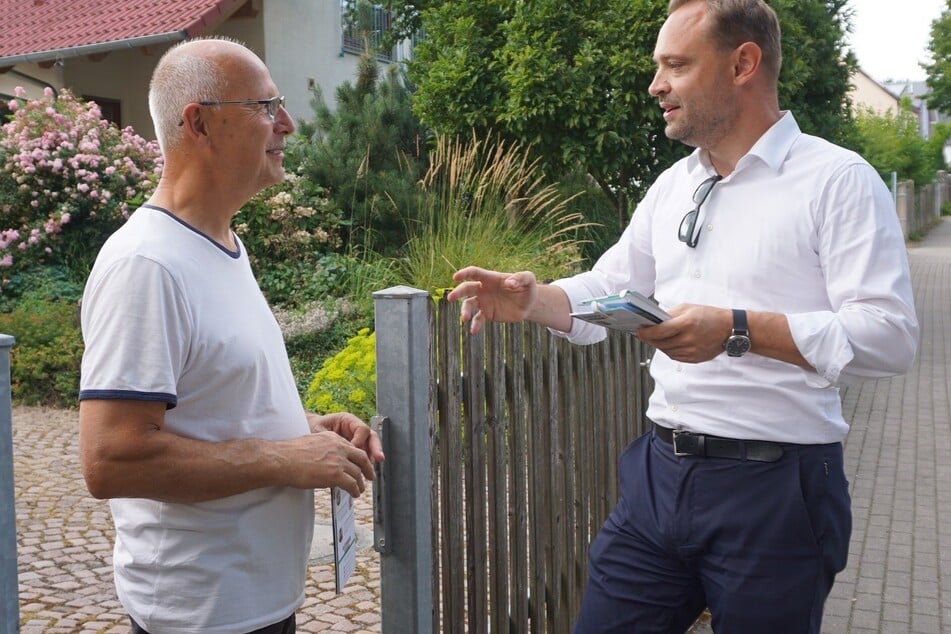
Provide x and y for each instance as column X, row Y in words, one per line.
column 800, row 227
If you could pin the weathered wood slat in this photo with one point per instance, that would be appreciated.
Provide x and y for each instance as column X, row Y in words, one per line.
column 450, row 430
column 475, row 482
column 529, row 431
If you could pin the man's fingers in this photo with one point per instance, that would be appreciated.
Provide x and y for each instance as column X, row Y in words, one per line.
column 464, row 290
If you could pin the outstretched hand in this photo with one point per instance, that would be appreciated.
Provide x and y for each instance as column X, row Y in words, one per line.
column 493, row 296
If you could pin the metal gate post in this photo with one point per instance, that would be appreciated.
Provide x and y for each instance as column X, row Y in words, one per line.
column 9, row 591
column 403, row 535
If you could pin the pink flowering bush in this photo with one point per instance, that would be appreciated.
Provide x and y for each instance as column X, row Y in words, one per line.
column 292, row 232
column 68, row 180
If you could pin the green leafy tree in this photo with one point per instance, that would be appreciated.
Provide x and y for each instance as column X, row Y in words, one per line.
column 570, row 80
column 368, row 152
column 891, row 143
column 817, row 67
column 939, row 70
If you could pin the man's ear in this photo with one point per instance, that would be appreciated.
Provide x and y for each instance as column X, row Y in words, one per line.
column 747, row 58
column 193, row 121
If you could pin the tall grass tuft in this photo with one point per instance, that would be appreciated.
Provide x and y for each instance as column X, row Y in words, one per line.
column 484, row 202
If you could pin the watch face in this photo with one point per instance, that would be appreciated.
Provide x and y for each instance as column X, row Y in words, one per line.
column 737, row 345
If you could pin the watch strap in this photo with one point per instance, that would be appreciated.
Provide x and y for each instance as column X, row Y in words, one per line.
column 740, row 326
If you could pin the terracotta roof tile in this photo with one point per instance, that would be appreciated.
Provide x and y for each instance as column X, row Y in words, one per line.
column 49, row 28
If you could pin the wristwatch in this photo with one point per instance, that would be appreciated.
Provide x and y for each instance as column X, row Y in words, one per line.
column 738, row 343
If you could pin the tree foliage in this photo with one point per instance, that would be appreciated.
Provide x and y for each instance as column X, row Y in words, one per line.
column 891, row 143
column 817, row 66
column 368, row 152
column 570, row 80
column 939, row 70
column 566, row 79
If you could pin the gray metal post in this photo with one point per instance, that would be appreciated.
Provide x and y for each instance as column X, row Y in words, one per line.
column 9, row 591
column 402, row 395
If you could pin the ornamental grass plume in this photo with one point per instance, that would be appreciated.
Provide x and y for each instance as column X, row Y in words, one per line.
column 486, row 202
column 68, row 180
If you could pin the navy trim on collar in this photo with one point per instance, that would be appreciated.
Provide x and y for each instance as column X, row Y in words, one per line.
column 234, row 254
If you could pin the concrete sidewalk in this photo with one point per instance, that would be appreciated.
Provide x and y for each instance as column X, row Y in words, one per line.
column 898, row 458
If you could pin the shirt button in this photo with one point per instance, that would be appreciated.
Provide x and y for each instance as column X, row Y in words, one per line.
column 680, row 368
column 696, row 274
column 673, row 408
column 709, row 227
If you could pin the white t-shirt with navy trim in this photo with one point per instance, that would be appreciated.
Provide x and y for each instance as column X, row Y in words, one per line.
column 170, row 315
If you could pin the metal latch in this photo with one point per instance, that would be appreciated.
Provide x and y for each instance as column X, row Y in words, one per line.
column 381, row 511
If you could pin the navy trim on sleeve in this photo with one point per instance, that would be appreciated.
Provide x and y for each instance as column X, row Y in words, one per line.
column 128, row 395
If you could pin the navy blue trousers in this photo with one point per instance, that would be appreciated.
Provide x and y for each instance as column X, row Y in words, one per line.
column 759, row 543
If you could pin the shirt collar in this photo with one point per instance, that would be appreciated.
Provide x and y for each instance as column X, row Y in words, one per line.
column 771, row 148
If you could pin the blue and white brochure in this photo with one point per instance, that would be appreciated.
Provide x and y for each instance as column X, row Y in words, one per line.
column 626, row 311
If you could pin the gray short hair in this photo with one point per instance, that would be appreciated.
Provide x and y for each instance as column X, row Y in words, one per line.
column 182, row 77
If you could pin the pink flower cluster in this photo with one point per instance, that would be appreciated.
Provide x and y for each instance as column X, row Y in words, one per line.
column 62, row 164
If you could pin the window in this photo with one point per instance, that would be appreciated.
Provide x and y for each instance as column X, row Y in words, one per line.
column 4, row 109
column 110, row 108
column 364, row 24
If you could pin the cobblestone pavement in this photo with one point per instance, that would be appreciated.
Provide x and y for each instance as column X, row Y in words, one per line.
column 64, row 544
column 898, row 459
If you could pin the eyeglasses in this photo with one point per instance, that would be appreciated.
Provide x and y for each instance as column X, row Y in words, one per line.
column 273, row 105
column 689, row 223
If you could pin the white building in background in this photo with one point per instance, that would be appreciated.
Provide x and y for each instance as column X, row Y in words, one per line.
column 917, row 92
column 105, row 50
column 868, row 93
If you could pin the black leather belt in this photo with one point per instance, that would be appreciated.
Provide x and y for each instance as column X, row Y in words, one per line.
column 690, row 444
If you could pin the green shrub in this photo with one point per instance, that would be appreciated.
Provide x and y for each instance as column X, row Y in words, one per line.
column 891, row 143
column 946, row 208
column 40, row 282
column 44, row 363
column 289, row 229
column 347, row 381
column 314, row 332
column 68, row 179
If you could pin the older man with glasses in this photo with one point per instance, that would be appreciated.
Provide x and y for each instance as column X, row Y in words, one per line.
column 786, row 278
column 190, row 419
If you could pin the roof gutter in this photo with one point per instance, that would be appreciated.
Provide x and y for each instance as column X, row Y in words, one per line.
column 92, row 49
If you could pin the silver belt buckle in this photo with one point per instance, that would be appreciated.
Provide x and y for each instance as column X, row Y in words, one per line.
column 687, row 443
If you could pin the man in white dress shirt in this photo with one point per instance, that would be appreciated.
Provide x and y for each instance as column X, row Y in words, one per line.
column 780, row 259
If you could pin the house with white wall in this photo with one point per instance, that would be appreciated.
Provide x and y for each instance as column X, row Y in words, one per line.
column 865, row 92
column 105, row 50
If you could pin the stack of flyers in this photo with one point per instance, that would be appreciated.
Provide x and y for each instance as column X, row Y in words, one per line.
column 627, row 311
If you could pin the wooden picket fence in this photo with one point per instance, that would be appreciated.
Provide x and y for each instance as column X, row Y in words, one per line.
column 528, row 431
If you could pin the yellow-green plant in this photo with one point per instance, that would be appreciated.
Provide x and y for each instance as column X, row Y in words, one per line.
column 347, row 381
column 485, row 202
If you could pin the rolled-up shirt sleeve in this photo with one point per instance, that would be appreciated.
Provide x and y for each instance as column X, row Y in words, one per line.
column 871, row 329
